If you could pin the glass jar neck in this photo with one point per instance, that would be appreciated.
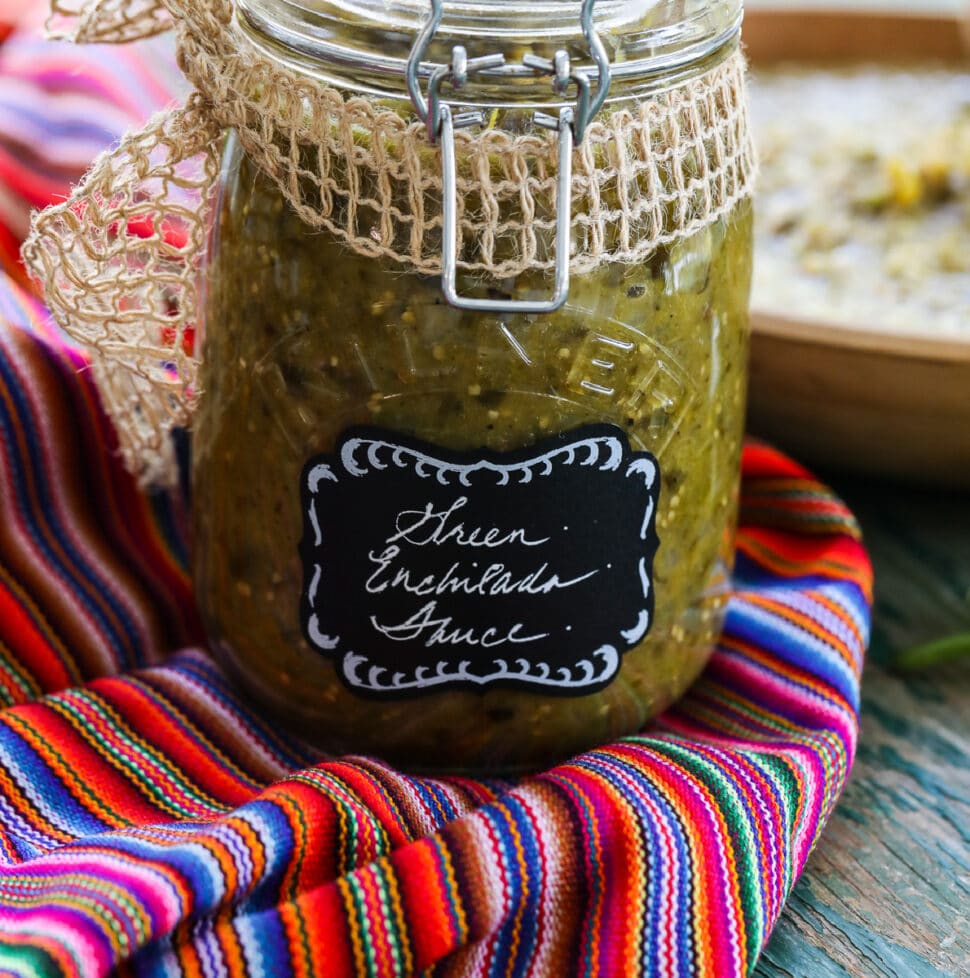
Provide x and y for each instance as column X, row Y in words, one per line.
column 363, row 45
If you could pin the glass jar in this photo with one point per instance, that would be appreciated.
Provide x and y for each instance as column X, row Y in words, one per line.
column 466, row 539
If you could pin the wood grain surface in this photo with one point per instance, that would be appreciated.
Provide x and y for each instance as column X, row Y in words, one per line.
column 894, row 405
column 841, row 35
column 886, row 893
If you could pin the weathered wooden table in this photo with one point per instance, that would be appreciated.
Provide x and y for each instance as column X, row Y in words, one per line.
column 886, row 893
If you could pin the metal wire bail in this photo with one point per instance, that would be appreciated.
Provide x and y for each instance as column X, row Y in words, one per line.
column 570, row 124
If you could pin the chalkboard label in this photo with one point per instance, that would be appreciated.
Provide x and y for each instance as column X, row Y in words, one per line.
column 426, row 569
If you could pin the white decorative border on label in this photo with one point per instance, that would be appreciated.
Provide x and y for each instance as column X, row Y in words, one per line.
column 606, row 452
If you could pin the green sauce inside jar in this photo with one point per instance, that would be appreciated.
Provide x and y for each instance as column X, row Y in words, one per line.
column 306, row 340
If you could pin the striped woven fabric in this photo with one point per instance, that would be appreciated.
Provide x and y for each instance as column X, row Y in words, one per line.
column 151, row 824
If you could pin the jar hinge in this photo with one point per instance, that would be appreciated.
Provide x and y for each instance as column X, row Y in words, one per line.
column 570, row 124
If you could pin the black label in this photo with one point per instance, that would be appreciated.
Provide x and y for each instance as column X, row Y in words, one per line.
column 426, row 569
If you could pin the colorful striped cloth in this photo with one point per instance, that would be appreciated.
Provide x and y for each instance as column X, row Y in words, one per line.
column 152, row 824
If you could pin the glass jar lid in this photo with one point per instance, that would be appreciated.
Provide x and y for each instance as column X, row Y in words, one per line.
column 364, row 45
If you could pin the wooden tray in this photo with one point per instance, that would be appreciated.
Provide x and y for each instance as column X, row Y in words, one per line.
column 841, row 396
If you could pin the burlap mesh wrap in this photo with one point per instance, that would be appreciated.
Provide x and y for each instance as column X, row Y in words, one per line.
column 119, row 261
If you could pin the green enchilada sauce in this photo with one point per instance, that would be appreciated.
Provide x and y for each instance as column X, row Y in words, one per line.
column 304, row 339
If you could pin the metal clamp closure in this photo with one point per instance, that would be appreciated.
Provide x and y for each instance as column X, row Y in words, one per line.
column 456, row 74
column 570, row 124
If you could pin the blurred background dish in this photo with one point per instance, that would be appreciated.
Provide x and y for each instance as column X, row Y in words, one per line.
column 861, row 305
